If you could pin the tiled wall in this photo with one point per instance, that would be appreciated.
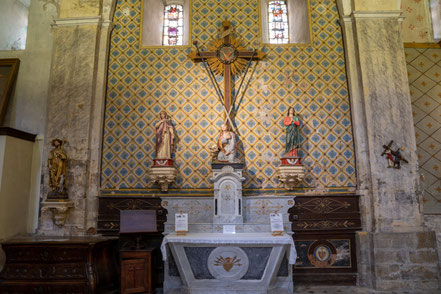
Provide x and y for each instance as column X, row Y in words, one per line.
column 417, row 24
column 424, row 68
column 144, row 81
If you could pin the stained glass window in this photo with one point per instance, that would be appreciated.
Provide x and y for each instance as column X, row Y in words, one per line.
column 278, row 22
column 173, row 25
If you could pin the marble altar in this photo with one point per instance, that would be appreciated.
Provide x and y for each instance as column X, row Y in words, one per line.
column 208, row 261
column 201, row 263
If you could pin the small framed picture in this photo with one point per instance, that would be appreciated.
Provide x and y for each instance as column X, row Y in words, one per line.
column 8, row 77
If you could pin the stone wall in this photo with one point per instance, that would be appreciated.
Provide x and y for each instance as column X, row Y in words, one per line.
column 406, row 261
column 75, row 105
column 434, row 222
column 396, row 250
column 417, row 24
column 14, row 24
column 27, row 108
column 15, row 185
column 392, row 261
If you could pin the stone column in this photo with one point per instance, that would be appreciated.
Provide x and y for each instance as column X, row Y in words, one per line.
column 394, row 232
column 76, row 105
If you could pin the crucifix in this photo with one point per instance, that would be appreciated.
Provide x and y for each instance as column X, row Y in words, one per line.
column 226, row 57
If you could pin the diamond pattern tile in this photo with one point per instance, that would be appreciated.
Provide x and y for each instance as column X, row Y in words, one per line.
column 144, row 81
column 424, row 67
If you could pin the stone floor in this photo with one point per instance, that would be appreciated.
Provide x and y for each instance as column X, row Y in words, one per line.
column 345, row 290
column 352, row 290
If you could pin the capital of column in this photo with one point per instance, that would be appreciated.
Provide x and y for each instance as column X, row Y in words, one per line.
column 369, row 9
column 75, row 21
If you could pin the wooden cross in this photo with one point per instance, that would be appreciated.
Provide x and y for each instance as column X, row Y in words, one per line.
column 227, row 54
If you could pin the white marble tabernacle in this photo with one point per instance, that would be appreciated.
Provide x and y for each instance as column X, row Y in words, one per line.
column 205, row 261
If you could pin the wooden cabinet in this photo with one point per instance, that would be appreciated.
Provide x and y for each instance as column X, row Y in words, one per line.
column 136, row 271
column 324, row 228
column 60, row 265
column 109, row 211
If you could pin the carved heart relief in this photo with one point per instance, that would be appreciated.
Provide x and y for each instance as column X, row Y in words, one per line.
column 228, row 266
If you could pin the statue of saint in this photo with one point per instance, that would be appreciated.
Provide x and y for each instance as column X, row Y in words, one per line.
column 227, row 145
column 165, row 135
column 292, row 125
column 57, row 168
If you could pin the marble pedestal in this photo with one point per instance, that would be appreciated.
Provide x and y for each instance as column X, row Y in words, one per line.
column 212, row 263
column 291, row 172
column 163, row 173
column 59, row 210
column 255, row 213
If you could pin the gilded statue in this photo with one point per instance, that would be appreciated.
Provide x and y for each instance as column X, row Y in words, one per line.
column 57, row 168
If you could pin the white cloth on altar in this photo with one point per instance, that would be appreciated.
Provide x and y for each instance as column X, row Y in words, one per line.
column 241, row 239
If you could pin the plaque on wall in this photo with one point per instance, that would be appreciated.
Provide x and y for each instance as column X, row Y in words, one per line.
column 138, row 221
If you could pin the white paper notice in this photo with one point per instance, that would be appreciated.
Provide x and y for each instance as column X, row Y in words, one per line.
column 229, row 229
column 181, row 222
column 276, row 222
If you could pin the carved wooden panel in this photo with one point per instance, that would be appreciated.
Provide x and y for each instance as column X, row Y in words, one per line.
column 47, row 254
column 136, row 271
column 325, row 213
column 110, row 207
column 25, row 271
column 325, row 229
column 60, row 265
column 109, row 224
column 41, row 287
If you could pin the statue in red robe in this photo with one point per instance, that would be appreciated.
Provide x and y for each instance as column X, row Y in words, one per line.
column 292, row 125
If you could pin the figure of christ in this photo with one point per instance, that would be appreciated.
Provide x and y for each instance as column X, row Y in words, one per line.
column 227, row 145
column 292, row 125
column 390, row 158
column 164, row 137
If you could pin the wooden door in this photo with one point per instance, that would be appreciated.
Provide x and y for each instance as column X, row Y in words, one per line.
column 134, row 276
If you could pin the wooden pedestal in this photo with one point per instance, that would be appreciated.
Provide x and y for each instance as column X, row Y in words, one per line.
column 324, row 228
column 136, row 271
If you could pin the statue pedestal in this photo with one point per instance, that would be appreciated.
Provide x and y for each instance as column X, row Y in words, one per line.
column 291, row 172
column 54, row 196
column 163, row 173
column 59, row 210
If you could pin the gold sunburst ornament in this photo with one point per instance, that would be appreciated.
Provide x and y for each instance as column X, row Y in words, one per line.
column 227, row 53
column 226, row 56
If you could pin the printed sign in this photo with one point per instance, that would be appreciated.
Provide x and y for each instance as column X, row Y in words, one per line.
column 276, row 222
column 181, row 222
column 229, row 229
